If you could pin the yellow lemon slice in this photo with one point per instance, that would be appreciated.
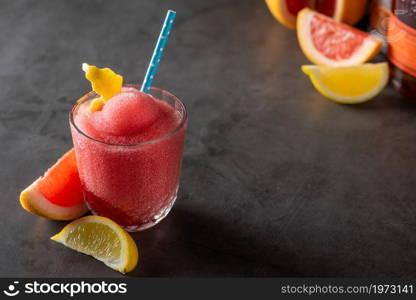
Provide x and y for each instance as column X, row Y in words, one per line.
column 103, row 239
column 349, row 85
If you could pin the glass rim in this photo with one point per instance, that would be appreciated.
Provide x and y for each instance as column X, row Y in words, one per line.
column 181, row 124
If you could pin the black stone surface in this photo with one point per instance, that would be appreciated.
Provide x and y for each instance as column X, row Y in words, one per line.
column 277, row 181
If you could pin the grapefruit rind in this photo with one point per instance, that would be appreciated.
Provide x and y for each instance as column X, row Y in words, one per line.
column 281, row 14
column 34, row 202
column 370, row 47
column 379, row 70
column 104, row 81
column 97, row 104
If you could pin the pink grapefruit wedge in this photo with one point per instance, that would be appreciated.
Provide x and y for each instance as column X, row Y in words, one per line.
column 57, row 195
column 327, row 42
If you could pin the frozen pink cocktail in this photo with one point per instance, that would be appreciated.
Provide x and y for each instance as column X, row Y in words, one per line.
column 129, row 154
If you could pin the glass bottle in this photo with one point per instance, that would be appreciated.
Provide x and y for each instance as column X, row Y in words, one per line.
column 401, row 37
column 380, row 11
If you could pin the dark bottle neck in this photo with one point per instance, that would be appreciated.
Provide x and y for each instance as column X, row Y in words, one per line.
column 405, row 10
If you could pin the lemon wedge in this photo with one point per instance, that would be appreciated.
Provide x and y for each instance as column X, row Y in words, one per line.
column 349, row 85
column 103, row 239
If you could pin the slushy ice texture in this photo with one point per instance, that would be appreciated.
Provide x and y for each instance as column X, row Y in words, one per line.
column 129, row 155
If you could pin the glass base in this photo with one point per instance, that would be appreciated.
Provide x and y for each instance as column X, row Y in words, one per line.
column 153, row 221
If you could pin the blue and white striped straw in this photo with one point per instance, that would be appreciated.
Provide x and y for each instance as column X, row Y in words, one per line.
column 157, row 53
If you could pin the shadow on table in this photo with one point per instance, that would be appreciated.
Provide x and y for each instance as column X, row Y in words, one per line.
column 189, row 244
column 389, row 99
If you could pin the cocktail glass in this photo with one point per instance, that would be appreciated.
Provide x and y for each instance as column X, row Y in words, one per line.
column 135, row 185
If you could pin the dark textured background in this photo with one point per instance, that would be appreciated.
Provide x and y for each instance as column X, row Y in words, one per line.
column 277, row 181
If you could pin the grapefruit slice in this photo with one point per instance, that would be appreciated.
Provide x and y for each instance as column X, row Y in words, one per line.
column 346, row 11
column 325, row 41
column 57, row 195
column 349, row 85
column 285, row 11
